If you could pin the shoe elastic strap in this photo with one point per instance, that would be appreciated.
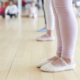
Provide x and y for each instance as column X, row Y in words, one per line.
column 57, row 56
column 47, row 35
column 64, row 61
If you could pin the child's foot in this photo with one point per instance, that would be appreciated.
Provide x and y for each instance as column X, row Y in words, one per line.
column 13, row 17
column 47, row 61
column 54, row 58
column 45, row 38
column 58, row 65
column 7, row 17
column 42, row 30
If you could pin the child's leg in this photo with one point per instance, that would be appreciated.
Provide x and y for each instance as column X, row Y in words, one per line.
column 59, row 40
column 44, row 11
column 43, row 29
column 2, row 15
column 58, row 33
column 49, row 14
column 35, row 15
column 68, row 26
column 13, row 16
column 68, row 30
column 50, row 22
column 7, row 16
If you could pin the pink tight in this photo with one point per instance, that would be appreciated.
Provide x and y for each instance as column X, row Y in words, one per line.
column 65, row 23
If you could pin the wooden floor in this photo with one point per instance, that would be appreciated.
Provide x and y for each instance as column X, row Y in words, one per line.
column 20, row 52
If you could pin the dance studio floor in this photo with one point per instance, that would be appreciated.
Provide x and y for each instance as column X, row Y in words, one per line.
column 20, row 52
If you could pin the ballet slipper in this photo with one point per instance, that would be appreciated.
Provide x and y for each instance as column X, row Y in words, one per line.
column 47, row 38
column 51, row 68
column 42, row 30
column 45, row 62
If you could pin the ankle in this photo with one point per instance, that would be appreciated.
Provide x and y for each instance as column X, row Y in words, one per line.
column 59, row 55
column 69, row 61
column 50, row 33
